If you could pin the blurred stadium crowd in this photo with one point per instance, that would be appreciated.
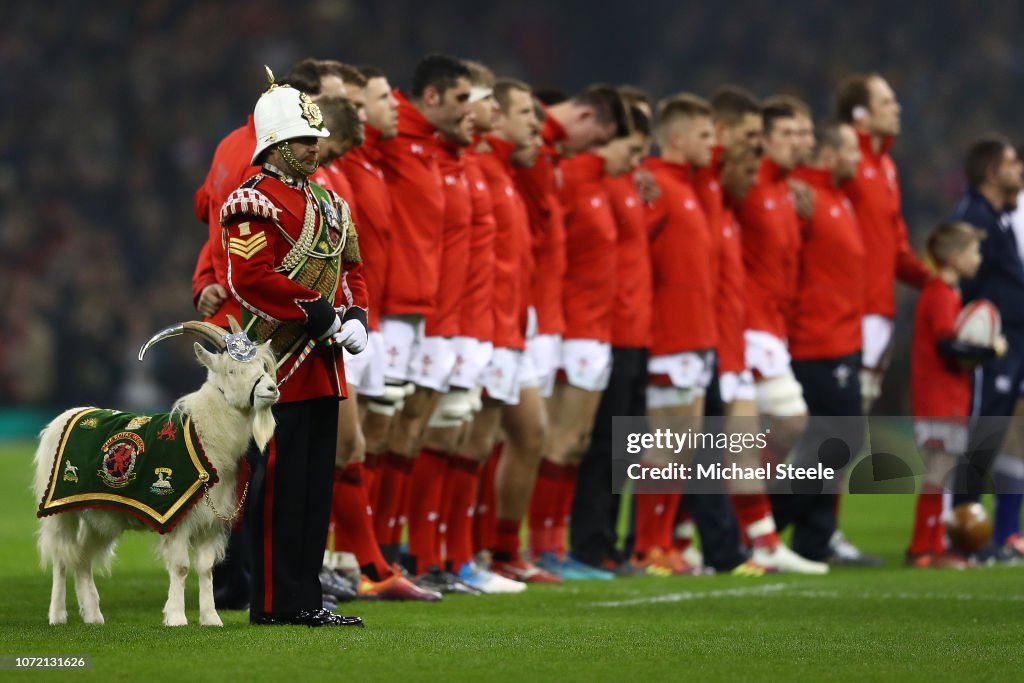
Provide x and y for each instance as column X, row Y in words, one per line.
column 111, row 115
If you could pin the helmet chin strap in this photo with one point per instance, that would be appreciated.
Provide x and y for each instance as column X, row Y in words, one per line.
column 289, row 158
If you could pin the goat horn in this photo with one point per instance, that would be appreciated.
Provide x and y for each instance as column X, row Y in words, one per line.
column 208, row 331
column 233, row 324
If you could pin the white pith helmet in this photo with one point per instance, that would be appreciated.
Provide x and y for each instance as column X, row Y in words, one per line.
column 284, row 113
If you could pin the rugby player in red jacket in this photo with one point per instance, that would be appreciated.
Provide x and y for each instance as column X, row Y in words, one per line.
column 824, row 327
column 683, row 255
column 866, row 102
column 436, row 105
column 514, row 131
column 589, row 296
column 373, row 216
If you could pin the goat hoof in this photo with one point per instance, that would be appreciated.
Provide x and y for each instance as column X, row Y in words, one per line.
column 176, row 621
column 211, row 621
column 58, row 619
column 93, row 619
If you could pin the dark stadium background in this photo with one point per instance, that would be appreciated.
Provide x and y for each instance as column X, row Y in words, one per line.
column 110, row 111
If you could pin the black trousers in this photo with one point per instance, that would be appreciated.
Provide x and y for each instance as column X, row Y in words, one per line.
column 595, row 509
column 721, row 542
column 232, row 576
column 831, row 389
column 290, row 499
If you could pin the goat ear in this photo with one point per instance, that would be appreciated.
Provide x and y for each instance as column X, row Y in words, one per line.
column 204, row 356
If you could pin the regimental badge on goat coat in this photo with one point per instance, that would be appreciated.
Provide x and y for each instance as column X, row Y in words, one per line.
column 150, row 466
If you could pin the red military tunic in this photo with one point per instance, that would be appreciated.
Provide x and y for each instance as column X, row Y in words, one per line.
column 373, row 217
column 261, row 221
column 414, row 180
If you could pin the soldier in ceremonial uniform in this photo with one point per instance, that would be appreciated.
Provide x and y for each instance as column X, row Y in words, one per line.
column 293, row 265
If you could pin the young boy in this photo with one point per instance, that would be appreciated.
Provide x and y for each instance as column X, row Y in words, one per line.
column 941, row 368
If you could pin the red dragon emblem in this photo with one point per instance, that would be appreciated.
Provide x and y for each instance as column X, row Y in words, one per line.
column 120, row 453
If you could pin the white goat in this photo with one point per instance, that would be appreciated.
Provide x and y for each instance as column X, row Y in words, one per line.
column 230, row 408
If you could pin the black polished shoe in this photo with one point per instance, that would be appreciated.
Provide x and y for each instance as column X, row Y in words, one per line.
column 306, row 617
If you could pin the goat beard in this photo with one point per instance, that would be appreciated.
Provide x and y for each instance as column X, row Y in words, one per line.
column 263, row 425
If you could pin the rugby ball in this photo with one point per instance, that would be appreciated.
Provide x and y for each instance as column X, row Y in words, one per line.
column 979, row 324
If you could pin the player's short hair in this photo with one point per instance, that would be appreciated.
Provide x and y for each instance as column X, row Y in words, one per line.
column 503, row 88
column 479, row 75
column 950, row 238
column 608, row 106
column 340, row 115
column 730, row 103
column 634, row 95
column 798, row 106
column 549, row 96
column 348, row 73
column 641, row 122
column 306, row 74
column 828, row 134
column 982, row 155
column 773, row 113
column 369, row 71
column 438, row 71
column 680, row 106
column 853, row 92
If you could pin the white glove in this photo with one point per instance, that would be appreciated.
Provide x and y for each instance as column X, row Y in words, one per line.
column 352, row 337
column 870, row 388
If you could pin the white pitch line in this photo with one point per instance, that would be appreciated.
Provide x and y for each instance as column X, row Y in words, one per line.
column 786, row 590
column 683, row 596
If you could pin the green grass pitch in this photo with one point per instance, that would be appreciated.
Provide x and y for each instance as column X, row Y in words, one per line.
column 855, row 624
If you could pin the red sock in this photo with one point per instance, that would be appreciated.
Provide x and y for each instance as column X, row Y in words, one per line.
column 371, row 468
column 461, row 484
column 545, row 508
column 506, row 544
column 401, row 509
column 652, row 532
column 927, row 516
column 353, row 530
column 485, row 520
column 394, row 472
column 567, row 491
column 424, row 512
column 754, row 514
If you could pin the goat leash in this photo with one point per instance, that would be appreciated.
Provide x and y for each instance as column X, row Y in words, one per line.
column 219, row 515
column 298, row 361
